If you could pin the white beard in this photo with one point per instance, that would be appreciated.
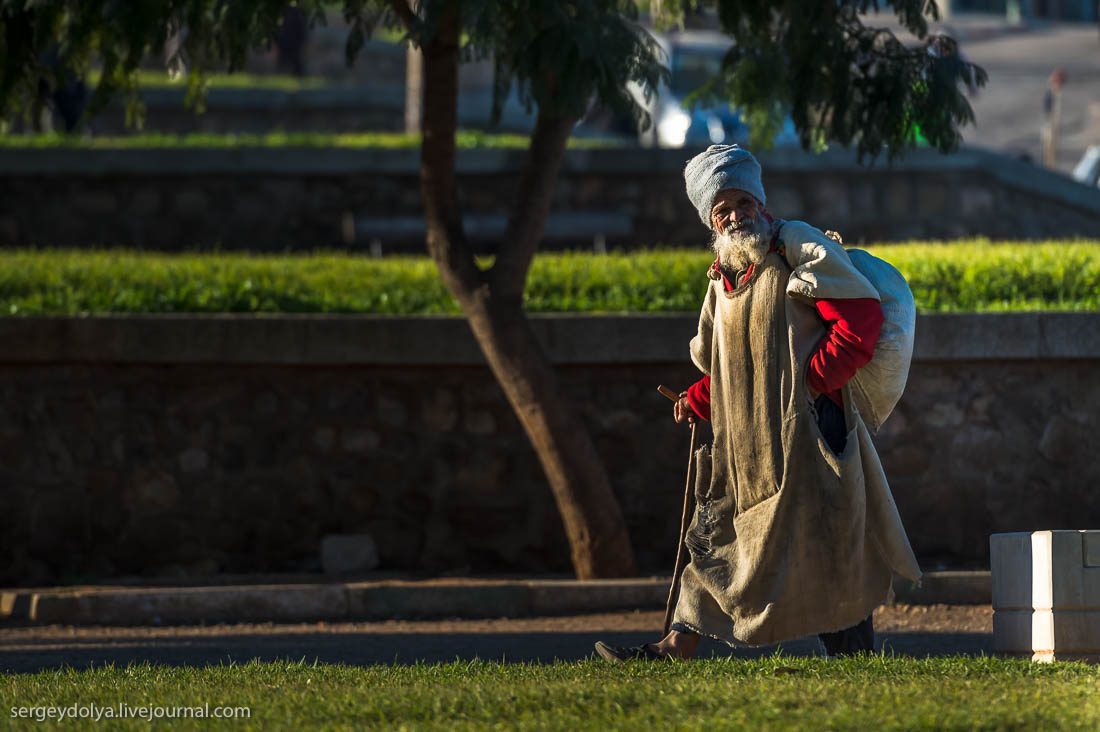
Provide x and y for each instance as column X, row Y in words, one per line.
column 736, row 250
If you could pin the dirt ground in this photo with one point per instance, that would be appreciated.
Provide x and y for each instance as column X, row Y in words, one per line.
column 892, row 618
column 919, row 630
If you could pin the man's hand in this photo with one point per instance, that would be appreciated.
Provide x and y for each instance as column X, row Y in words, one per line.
column 682, row 410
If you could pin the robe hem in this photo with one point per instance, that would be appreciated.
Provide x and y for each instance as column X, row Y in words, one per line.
column 737, row 643
column 699, row 631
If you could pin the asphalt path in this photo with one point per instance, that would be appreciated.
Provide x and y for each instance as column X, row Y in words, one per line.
column 948, row 630
column 1008, row 111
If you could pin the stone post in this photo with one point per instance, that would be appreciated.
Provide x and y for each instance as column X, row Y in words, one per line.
column 1046, row 594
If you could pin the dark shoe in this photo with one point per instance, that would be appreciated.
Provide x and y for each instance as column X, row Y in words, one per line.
column 860, row 638
column 619, row 654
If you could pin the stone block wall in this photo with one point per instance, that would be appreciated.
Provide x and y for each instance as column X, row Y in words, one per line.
column 303, row 199
column 188, row 446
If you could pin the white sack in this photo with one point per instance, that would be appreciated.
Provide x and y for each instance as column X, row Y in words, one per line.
column 877, row 387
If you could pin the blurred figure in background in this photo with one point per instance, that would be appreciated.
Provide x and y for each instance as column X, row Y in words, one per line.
column 175, row 54
column 1052, row 118
column 62, row 97
column 291, row 41
column 946, row 45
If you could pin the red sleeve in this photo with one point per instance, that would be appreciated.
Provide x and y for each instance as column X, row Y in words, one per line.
column 854, row 325
column 698, row 395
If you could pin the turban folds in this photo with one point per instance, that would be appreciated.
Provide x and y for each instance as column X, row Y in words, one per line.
column 719, row 168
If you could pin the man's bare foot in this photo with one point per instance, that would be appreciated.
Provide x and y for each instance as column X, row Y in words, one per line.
column 677, row 645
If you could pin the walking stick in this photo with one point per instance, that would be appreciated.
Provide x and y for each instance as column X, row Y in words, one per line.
column 681, row 555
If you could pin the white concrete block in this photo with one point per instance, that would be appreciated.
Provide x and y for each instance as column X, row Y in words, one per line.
column 1046, row 594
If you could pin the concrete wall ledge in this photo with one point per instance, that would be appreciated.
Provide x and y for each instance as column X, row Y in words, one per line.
column 339, row 601
column 569, row 339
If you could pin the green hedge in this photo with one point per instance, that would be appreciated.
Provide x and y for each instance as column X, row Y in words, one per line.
column 970, row 275
column 153, row 79
column 464, row 139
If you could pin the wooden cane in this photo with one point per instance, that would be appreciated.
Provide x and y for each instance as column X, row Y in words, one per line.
column 685, row 517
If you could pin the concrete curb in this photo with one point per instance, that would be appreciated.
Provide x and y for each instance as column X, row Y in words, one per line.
column 946, row 588
column 387, row 600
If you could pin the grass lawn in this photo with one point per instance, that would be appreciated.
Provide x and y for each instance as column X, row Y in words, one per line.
column 874, row 692
column 973, row 275
column 464, row 140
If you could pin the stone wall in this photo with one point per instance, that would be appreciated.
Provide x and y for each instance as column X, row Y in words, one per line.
column 176, row 446
column 299, row 198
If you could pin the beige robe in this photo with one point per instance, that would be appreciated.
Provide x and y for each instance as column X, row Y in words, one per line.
column 787, row 539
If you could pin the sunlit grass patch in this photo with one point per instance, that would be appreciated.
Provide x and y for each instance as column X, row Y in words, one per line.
column 153, row 79
column 122, row 281
column 980, row 274
column 975, row 275
column 464, row 139
column 803, row 693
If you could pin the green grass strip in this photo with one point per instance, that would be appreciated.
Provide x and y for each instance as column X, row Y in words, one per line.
column 877, row 692
column 969, row 276
column 153, row 79
column 464, row 139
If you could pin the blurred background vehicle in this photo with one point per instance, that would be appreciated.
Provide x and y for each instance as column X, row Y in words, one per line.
column 1087, row 170
column 693, row 56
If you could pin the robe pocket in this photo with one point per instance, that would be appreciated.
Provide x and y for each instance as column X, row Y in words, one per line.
column 754, row 525
column 839, row 464
column 849, row 455
column 841, row 476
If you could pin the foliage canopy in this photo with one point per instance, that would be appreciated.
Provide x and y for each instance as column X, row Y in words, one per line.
column 840, row 78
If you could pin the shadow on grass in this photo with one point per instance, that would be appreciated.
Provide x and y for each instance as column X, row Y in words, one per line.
column 362, row 649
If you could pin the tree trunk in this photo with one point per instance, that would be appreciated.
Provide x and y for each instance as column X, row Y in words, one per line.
column 594, row 525
column 598, row 539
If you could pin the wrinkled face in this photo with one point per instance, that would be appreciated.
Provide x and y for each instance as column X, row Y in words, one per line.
column 734, row 209
column 742, row 235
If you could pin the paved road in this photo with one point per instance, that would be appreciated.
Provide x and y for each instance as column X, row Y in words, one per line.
column 1008, row 111
column 944, row 630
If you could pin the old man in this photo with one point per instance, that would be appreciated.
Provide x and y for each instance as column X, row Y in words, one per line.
column 795, row 532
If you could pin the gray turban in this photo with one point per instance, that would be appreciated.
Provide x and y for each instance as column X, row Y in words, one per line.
column 718, row 168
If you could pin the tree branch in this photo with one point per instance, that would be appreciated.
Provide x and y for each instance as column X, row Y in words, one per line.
column 404, row 13
column 527, row 220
